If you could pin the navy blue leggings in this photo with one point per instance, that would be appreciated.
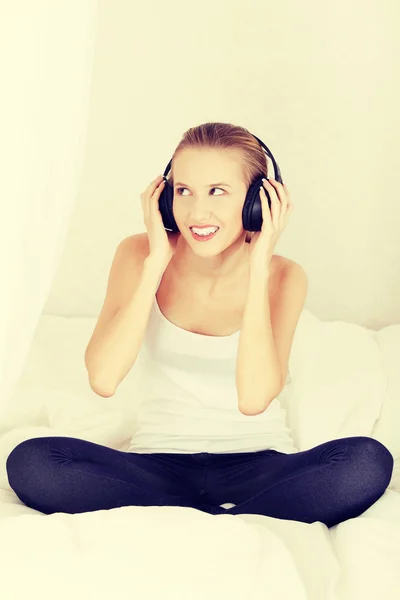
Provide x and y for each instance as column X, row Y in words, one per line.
column 330, row 483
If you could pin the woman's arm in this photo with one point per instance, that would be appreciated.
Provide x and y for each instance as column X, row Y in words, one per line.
column 266, row 338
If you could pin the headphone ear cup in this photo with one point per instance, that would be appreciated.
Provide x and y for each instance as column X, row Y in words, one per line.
column 252, row 210
column 165, row 206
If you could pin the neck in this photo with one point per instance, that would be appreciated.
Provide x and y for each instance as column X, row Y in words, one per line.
column 225, row 266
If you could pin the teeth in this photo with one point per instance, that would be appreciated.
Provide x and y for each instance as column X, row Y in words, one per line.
column 204, row 231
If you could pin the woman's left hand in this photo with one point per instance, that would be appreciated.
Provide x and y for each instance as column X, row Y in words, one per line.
column 263, row 242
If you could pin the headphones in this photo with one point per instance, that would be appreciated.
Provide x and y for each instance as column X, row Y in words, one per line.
column 251, row 213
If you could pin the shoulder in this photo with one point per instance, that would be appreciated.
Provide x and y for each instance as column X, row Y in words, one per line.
column 295, row 279
column 136, row 240
column 139, row 242
column 293, row 267
column 287, row 265
column 291, row 272
column 136, row 245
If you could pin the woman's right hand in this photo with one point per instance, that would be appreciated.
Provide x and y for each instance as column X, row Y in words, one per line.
column 162, row 243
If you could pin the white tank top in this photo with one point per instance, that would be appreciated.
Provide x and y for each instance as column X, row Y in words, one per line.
column 189, row 400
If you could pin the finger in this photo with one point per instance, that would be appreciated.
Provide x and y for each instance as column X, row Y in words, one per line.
column 147, row 197
column 156, row 181
column 279, row 190
column 157, row 191
column 275, row 203
column 153, row 185
column 286, row 205
column 266, row 211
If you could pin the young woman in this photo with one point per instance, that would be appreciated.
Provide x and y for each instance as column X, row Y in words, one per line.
column 213, row 318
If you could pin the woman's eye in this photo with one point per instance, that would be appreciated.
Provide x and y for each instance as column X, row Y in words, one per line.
column 181, row 188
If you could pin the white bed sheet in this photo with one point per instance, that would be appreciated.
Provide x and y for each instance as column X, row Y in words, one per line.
column 166, row 552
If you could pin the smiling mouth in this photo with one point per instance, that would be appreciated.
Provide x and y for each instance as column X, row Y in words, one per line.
column 200, row 237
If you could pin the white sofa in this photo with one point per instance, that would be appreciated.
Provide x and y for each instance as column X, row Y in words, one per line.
column 344, row 381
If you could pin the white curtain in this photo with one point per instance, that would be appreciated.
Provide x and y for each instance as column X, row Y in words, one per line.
column 46, row 63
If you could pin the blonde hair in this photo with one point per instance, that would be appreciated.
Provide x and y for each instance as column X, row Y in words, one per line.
column 226, row 135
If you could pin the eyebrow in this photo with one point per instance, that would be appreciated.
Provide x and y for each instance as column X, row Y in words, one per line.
column 210, row 185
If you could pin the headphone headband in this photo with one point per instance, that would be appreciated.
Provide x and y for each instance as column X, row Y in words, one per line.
column 277, row 171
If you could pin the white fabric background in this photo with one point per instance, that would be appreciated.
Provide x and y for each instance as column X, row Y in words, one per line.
column 46, row 56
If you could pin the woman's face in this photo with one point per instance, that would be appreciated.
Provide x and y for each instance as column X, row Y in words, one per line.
column 199, row 201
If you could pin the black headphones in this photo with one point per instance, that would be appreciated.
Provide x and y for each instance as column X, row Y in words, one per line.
column 252, row 212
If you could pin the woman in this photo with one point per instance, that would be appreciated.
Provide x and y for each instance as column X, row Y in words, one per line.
column 214, row 319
